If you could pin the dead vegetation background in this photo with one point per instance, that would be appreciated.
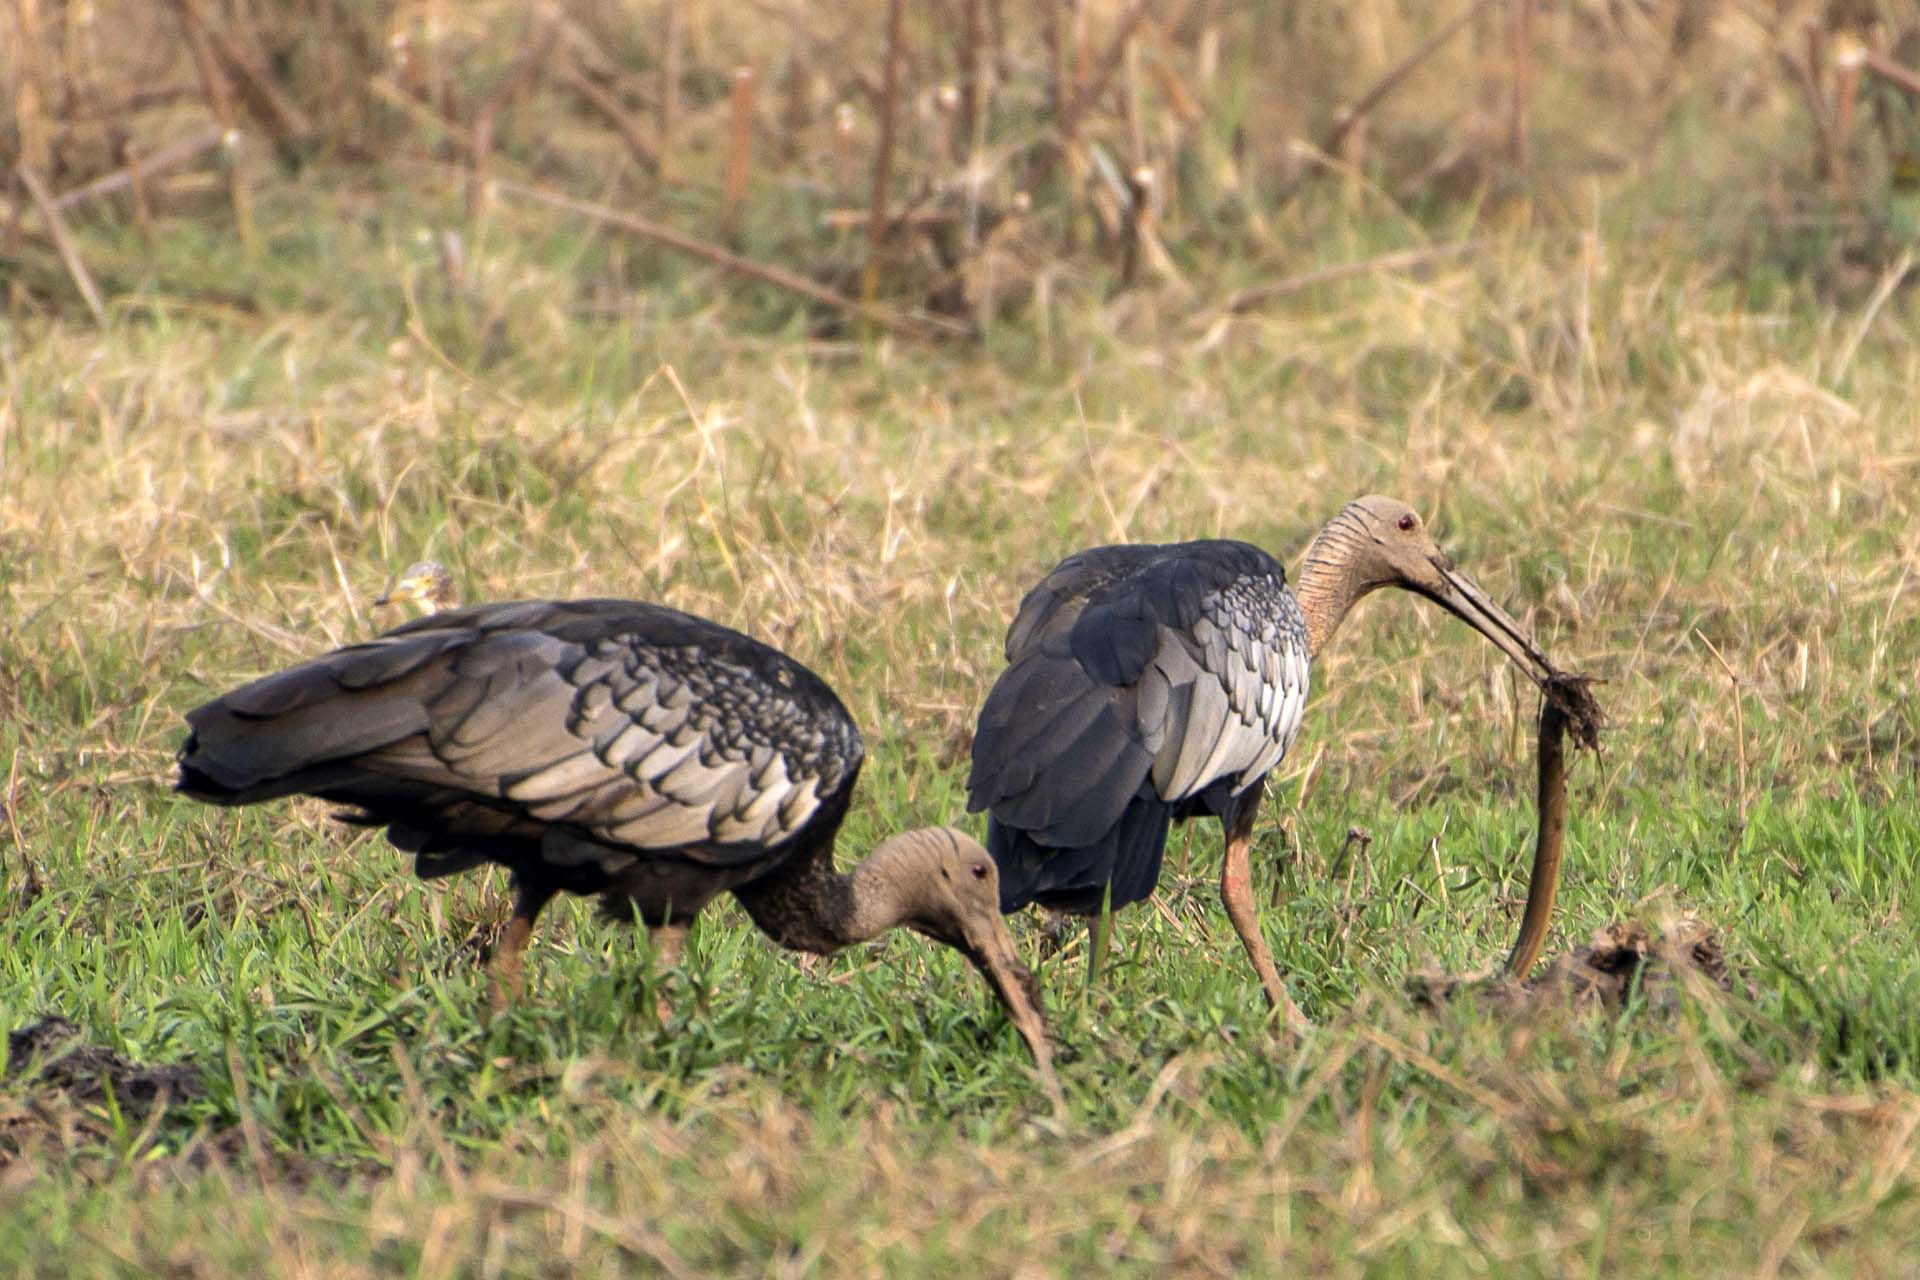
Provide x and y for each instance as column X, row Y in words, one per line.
column 840, row 324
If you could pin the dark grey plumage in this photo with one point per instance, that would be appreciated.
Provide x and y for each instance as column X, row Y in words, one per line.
column 594, row 746
column 1146, row 683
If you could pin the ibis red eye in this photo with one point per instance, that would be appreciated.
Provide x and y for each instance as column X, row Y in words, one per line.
column 979, row 871
column 1407, row 522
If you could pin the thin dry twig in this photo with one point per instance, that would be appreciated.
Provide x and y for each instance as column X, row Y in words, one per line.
column 523, row 70
column 63, row 243
column 1109, row 62
column 283, row 121
column 914, row 326
column 1892, row 72
column 1395, row 75
column 171, row 156
column 643, row 151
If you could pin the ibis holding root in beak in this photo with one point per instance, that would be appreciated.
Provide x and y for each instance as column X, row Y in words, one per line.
column 1151, row 684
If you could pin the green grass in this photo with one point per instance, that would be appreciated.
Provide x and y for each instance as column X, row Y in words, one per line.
column 1610, row 441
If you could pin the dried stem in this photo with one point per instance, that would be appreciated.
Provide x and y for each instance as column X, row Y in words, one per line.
column 1892, row 72
column 1520, row 48
column 913, row 326
column 1397, row 74
column 606, row 104
column 883, row 156
column 670, row 89
column 1095, row 83
column 171, row 156
column 521, row 73
column 63, row 243
column 283, row 121
column 733, row 190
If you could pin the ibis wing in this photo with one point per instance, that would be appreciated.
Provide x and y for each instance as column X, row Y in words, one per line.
column 1169, row 667
column 633, row 725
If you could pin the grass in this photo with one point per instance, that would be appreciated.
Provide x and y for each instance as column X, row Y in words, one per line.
column 1616, row 437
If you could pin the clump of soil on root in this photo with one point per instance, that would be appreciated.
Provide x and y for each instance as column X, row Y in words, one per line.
column 1623, row 958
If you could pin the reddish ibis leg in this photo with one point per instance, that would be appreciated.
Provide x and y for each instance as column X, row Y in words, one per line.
column 1236, row 890
column 507, row 971
column 668, row 941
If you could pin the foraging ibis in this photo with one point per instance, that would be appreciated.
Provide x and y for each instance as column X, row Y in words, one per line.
column 606, row 747
column 1150, row 684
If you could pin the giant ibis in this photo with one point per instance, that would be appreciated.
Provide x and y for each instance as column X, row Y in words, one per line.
column 1149, row 684
column 606, row 747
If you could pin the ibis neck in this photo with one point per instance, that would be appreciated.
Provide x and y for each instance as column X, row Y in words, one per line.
column 1330, row 583
column 808, row 906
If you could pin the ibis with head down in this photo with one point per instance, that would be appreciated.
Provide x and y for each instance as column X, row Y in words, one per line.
column 606, row 747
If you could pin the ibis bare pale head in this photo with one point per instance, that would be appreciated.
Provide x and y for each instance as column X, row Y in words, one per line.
column 428, row 584
column 1382, row 542
column 940, row 882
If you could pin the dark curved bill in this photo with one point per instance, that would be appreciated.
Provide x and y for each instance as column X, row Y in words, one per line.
column 990, row 947
column 1473, row 606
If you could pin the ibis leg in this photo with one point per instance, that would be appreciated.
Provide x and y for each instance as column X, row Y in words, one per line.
column 669, row 942
column 1236, row 891
column 506, row 972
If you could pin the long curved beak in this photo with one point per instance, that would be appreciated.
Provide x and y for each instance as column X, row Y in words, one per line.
column 989, row 946
column 1461, row 597
column 404, row 591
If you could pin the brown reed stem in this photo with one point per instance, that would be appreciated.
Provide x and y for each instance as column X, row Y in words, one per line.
column 733, row 188
column 968, row 56
column 668, row 170
column 883, row 155
column 1520, row 49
